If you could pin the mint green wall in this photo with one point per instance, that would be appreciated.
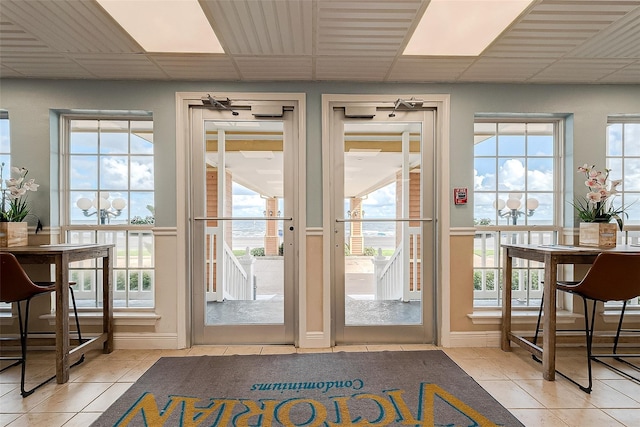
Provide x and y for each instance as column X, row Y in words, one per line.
column 32, row 105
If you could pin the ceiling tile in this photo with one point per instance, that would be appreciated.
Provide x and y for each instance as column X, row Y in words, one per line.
column 196, row 67
column 554, row 41
column 279, row 68
column 429, row 69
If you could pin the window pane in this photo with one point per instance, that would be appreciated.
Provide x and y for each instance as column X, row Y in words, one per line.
column 632, row 139
column 141, row 173
column 632, row 201
column 540, row 145
column 511, row 140
column 631, row 174
column 142, row 205
column 511, row 174
column 485, row 139
column 142, row 137
column 114, row 137
column 84, row 137
column 114, row 172
column 484, row 212
column 614, row 139
column 484, row 174
column 83, row 172
column 544, row 213
column 4, row 136
column 540, row 174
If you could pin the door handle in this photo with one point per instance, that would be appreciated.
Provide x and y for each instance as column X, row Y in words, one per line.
column 384, row 220
column 243, row 218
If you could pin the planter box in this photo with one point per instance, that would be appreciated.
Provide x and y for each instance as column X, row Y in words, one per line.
column 598, row 234
column 14, row 234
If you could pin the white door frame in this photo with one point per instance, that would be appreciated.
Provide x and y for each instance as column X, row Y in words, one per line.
column 441, row 103
column 184, row 102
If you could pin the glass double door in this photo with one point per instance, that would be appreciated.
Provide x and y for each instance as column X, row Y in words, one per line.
column 383, row 240
column 242, row 227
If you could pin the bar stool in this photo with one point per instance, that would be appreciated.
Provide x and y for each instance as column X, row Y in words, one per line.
column 612, row 277
column 17, row 287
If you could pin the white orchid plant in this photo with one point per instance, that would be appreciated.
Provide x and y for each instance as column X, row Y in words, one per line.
column 14, row 192
column 597, row 206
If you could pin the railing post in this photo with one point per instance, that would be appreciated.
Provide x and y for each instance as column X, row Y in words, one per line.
column 247, row 261
column 379, row 261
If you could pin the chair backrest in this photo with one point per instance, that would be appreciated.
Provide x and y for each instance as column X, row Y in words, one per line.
column 15, row 285
column 612, row 277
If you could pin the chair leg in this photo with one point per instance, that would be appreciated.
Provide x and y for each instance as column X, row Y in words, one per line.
column 588, row 330
column 615, row 342
column 589, row 336
column 535, row 336
column 616, row 356
column 24, row 334
column 75, row 312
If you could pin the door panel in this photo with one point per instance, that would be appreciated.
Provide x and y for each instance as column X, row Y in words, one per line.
column 384, row 230
column 242, row 228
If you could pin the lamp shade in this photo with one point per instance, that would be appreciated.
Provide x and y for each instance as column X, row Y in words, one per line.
column 119, row 204
column 513, row 203
column 499, row 204
column 532, row 204
column 102, row 203
column 84, row 204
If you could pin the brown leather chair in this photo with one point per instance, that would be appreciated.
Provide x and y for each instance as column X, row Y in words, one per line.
column 16, row 287
column 612, row 277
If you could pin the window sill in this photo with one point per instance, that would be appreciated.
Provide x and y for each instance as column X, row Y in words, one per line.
column 494, row 317
column 6, row 318
column 613, row 316
column 128, row 318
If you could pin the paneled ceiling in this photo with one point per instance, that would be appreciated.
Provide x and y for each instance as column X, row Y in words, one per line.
column 553, row 41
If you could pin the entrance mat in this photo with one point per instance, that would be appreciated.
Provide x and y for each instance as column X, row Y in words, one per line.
column 412, row 388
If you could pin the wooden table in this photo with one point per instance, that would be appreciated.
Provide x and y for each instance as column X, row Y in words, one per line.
column 551, row 256
column 61, row 256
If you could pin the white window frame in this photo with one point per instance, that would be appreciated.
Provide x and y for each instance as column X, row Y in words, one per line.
column 102, row 233
column 525, row 298
column 630, row 233
column 5, row 308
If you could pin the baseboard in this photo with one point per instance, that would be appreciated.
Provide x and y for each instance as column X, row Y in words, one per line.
column 145, row 341
column 315, row 340
column 475, row 339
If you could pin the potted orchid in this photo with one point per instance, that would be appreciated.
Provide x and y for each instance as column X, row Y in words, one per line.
column 597, row 206
column 13, row 204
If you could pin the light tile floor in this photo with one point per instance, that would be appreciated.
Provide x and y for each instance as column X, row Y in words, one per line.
column 514, row 379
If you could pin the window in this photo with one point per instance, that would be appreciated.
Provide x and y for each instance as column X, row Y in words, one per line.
column 5, row 157
column 5, row 143
column 110, row 199
column 514, row 201
column 623, row 159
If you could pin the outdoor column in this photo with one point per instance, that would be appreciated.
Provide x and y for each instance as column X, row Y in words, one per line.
column 356, row 241
column 271, row 239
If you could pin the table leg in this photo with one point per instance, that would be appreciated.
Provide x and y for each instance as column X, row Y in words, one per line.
column 549, row 323
column 62, row 319
column 107, row 302
column 506, row 301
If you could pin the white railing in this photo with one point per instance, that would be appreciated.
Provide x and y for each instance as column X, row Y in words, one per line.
column 237, row 283
column 399, row 277
column 236, row 275
column 527, row 275
column 388, row 275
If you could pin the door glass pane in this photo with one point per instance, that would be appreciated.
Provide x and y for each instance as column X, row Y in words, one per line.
column 244, row 249
column 382, row 186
